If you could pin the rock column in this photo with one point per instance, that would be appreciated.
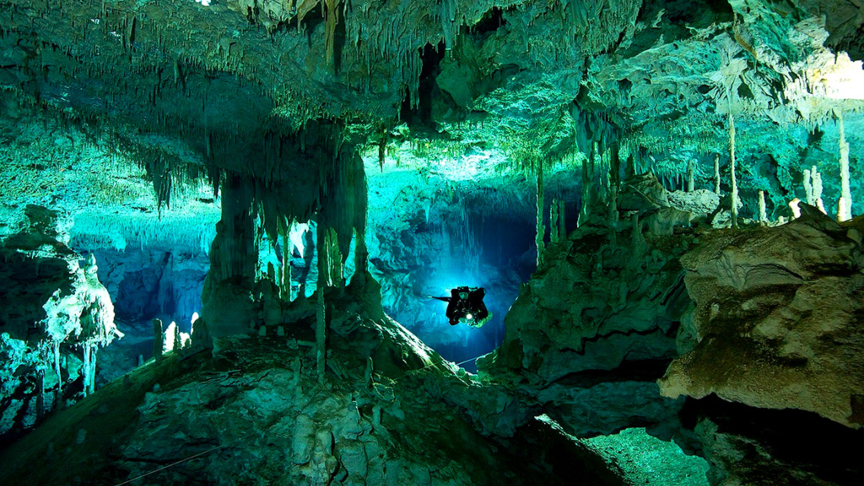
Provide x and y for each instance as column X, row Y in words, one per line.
column 844, row 206
column 734, row 208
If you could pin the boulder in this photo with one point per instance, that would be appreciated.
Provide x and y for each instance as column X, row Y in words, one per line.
column 642, row 192
column 777, row 319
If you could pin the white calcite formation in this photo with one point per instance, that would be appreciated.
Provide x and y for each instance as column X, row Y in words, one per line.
column 55, row 316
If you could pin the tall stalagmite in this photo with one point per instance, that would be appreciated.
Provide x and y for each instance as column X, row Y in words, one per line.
column 844, row 206
column 734, row 197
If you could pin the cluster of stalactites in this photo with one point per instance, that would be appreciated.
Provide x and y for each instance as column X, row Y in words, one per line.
column 600, row 176
column 335, row 200
column 85, row 316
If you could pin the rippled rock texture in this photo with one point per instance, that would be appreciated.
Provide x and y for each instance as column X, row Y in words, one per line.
column 777, row 322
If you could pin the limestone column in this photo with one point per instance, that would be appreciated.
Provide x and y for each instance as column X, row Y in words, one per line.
column 717, row 174
column 732, row 171
column 541, row 230
column 844, row 206
column 320, row 316
column 691, row 182
column 286, row 268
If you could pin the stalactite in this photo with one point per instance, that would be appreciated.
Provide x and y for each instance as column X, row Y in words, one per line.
column 331, row 20
column 844, row 205
column 541, row 230
column 732, row 171
column 447, row 14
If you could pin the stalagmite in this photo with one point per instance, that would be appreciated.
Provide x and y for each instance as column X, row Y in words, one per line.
column 587, row 183
column 541, row 230
column 320, row 317
column 817, row 189
column 844, row 205
column 285, row 286
column 554, row 235
column 691, row 183
column 334, row 259
column 157, row 339
column 367, row 376
column 763, row 218
column 85, row 371
column 808, row 188
column 732, row 171
column 92, row 379
column 40, row 394
column 178, row 340
column 639, row 245
column 361, row 255
column 57, row 370
column 717, row 174
column 562, row 223
column 796, row 209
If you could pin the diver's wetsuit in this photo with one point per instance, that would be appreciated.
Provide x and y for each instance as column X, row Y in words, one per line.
column 467, row 303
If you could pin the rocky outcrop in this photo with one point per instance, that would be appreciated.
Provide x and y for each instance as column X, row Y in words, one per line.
column 255, row 411
column 595, row 326
column 55, row 315
column 777, row 319
column 758, row 447
column 607, row 294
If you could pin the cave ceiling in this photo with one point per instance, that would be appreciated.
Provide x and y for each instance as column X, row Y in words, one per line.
column 237, row 85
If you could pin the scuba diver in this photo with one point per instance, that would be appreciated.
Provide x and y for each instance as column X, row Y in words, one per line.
column 465, row 305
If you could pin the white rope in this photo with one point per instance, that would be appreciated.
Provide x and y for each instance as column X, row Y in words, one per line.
column 175, row 463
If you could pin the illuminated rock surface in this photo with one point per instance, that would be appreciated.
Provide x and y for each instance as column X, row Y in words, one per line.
column 51, row 306
column 777, row 319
